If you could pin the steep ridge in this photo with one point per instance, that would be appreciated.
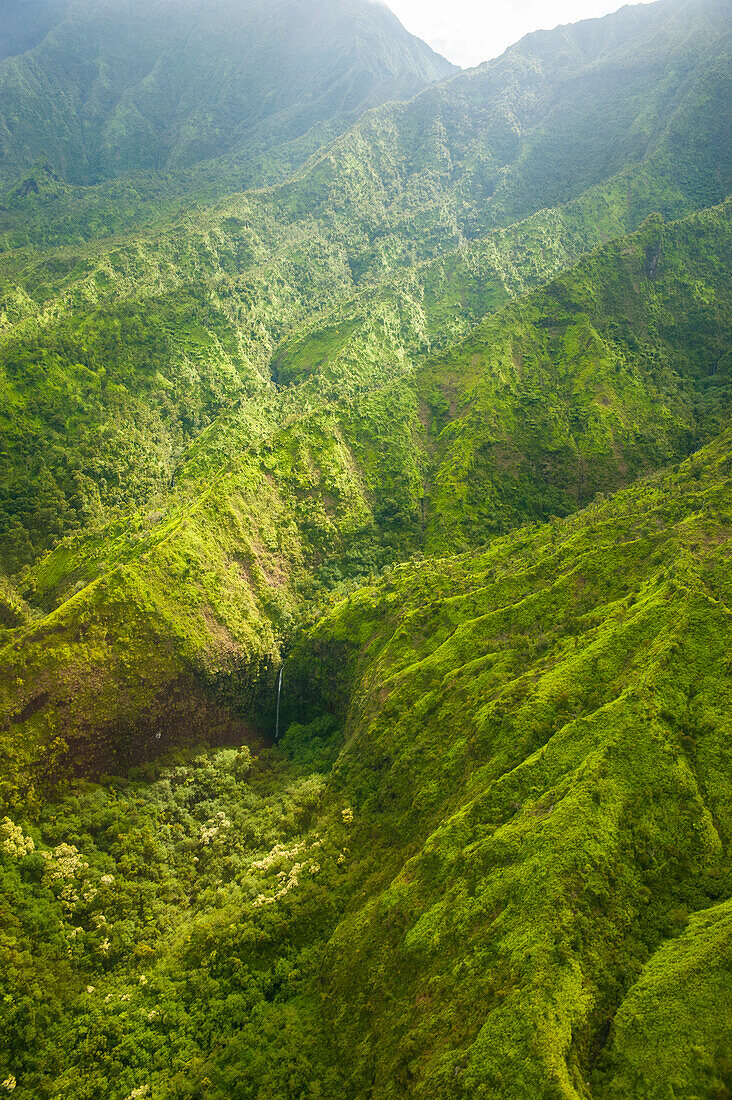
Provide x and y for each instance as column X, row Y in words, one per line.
column 543, row 731
column 259, row 523
column 556, row 114
column 117, row 87
column 521, row 850
column 202, row 311
column 534, row 128
column 641, row 95
column 143, row 346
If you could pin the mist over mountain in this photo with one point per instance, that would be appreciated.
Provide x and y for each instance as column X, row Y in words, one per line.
column 131, row 85
column 23, row 26
column 365, row 531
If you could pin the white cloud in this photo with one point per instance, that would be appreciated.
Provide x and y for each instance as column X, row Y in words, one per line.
column 470, row 31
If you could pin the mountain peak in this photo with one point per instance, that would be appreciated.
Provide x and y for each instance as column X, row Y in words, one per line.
column 101, row 88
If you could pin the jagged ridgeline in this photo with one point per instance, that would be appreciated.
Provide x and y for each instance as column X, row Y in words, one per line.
column 515, row 881
column 543, row 730
column 116, row 355
column 100, row 89
column 397, row 427
column 142, row 632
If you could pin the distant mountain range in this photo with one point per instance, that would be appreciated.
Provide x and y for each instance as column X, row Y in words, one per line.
column 97, row 89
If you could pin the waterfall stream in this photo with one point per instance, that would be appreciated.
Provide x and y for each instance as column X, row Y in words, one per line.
column 279, row 692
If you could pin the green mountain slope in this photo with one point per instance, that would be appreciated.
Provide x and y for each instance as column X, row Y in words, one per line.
column 556, row 114
column 201, row 311
column 521, row 850
column 641, row 95
column 543, row 730
column 111, row 88
column 553, row 400
column 141, row 347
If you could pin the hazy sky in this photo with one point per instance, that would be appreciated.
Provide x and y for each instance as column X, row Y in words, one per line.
column 470, row 31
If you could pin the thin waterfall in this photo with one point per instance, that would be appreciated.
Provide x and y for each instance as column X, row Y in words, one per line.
column 279, row 692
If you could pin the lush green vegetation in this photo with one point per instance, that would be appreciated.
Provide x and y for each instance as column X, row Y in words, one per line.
column 375, row 253
column 120, row 923
column 110, row 88
column 543, row 731
column 522, row 844
column 364, row 557
column 609, row 372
